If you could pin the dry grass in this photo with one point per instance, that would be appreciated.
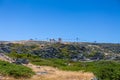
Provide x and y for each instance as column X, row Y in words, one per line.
column 56, row 74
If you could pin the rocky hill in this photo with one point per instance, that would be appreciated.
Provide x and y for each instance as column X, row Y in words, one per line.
column 70, row 50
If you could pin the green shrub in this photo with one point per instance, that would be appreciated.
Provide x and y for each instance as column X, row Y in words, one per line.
column 14, row 70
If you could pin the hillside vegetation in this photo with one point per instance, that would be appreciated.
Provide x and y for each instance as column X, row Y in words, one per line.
column 103, row 70
column 98, row 58
column 73, row 51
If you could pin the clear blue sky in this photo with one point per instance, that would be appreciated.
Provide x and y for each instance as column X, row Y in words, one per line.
column 89, row 20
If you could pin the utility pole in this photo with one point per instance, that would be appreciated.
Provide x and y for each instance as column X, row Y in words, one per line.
column 77, row 39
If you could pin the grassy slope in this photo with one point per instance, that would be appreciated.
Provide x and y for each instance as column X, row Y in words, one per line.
column 104, row 70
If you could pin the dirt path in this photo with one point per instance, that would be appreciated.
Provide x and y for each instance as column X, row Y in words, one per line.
column 50, row 73
column 5, row 58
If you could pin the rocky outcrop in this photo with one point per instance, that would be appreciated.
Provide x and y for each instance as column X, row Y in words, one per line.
column 73, row 51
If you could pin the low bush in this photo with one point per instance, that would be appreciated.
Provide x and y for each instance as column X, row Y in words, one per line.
column 17, row 71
